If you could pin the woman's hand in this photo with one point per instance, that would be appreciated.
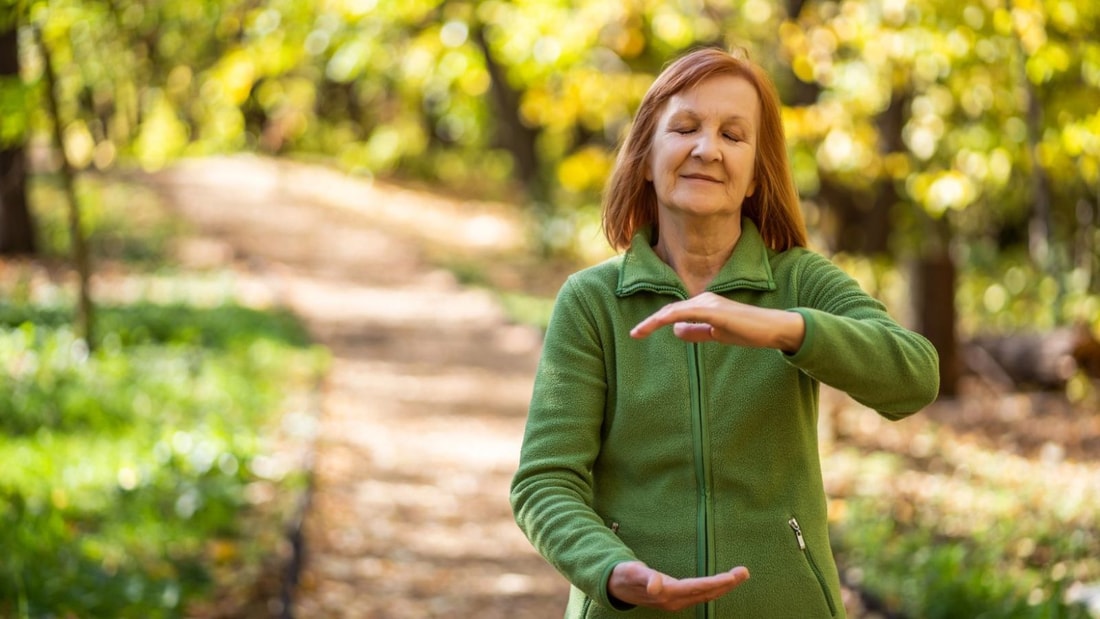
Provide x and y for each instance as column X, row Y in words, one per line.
column 636, row 583
column 709, row 317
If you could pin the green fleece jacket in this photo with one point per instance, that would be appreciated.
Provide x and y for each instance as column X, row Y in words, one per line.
column 696, row 458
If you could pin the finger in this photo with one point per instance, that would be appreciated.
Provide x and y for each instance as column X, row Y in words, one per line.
column 741, row 573
column 732, row 578
column 694, row 331
column 675, row 594
column 655, row 321
column 729, row 581
column 708, row 587
column 671, row 314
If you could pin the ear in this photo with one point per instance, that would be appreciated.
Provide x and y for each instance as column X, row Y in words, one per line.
column 752, row 188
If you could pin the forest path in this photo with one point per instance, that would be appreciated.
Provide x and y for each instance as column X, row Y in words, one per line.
column 423, row 408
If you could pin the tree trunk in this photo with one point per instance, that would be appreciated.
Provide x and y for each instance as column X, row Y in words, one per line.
column 514, row 135
column 1042, row 245
column 1087, row 246
column 16, row 224
column 932, row 289
column 85, row 313
column 797, row 93
column 1040, row 226
column 860, row 220
column 891, row 123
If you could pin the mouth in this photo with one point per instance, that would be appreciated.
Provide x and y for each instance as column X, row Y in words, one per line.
column 701, row 177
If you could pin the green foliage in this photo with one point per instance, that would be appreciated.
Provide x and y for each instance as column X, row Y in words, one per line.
column 143, row 464
column 122, row 221
column 53, row 387
column 136, row 460
column 999, row 544
column 13, row 110
column 997, row 291
column 929, row 99
column 527, row 309
column 1006, row 292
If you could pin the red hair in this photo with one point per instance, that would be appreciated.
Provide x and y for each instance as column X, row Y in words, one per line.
column 630, row 202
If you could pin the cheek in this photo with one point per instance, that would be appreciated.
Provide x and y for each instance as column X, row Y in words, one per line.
column 746, row 169
column 657, row 165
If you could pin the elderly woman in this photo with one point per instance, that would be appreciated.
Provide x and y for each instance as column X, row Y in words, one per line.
column 662, row 466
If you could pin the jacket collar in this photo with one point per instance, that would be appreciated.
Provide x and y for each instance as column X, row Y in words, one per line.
column 748, row 266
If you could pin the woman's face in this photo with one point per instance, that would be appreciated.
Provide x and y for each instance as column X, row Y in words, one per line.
column 704, row 150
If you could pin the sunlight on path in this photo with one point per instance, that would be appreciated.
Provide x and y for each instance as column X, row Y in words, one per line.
column 425, row 403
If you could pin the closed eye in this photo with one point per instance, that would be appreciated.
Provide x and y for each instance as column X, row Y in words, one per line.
column 732, row 137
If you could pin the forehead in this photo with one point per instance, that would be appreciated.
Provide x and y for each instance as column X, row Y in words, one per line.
column 723, row 96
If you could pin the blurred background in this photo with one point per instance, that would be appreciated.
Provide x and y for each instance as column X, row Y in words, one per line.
column 181, row 180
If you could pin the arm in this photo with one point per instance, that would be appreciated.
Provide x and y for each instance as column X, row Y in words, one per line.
column 552, row 491
column 852, row 344
column 836, row 333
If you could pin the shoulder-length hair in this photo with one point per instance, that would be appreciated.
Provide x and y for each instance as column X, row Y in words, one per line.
column 630, row 201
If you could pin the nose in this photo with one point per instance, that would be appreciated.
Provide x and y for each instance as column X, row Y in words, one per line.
column 707, row 147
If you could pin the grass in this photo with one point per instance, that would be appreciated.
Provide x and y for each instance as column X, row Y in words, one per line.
column 134, row 459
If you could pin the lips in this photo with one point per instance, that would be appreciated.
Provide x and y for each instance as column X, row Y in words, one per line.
column 701, row 177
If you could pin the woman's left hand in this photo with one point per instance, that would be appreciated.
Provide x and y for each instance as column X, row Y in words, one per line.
column 709, row 317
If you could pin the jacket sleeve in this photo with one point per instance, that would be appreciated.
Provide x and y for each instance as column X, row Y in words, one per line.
column 852, row 344
column 552, row 490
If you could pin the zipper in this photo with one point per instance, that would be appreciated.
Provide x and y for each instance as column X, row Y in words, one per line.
column 813, row 565
column 704, row 523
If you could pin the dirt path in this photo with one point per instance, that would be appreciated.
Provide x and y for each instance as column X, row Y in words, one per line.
column 423, row 410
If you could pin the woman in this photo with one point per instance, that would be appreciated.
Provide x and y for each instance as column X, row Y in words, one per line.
column 661, row 467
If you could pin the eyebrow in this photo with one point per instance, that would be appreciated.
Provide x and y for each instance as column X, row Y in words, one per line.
column 691, row 115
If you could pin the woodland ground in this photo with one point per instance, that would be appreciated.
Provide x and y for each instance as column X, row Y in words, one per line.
column 422, row 412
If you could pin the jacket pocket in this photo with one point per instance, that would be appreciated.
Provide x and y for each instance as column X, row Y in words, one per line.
column 813, row 565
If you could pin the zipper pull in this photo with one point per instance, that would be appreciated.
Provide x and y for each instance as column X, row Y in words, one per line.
column 615, row 528
column 797, row 533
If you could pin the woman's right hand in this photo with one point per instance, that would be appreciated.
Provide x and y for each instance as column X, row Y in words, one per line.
column 634, row 582
column 710, row 317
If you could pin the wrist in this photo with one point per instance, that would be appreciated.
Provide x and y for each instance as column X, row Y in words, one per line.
column 791, row 333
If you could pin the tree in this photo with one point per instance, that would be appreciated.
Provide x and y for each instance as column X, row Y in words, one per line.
column 930, row 131
column 17, row 231
column 967, row 120
column 81, row 261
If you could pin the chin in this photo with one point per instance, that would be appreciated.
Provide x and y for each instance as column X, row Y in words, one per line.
column 705, row 208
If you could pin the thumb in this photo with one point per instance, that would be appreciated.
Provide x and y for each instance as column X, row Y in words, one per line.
column 656, row 584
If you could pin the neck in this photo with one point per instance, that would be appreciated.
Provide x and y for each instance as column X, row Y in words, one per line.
column 695, row 248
